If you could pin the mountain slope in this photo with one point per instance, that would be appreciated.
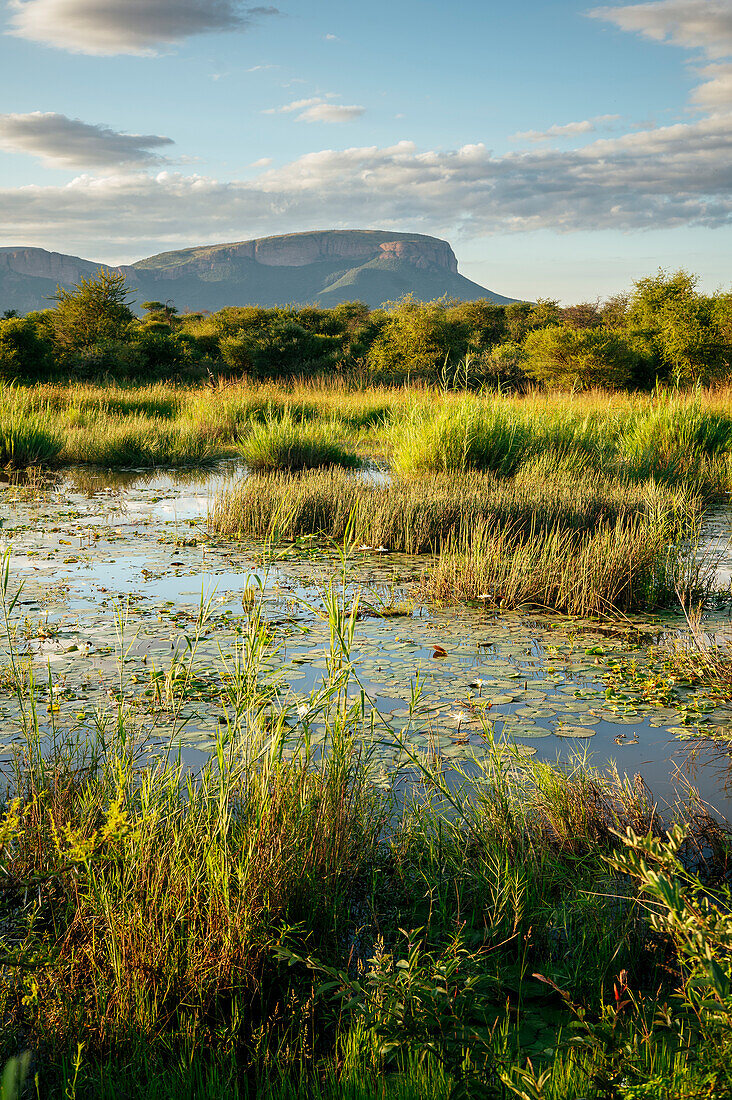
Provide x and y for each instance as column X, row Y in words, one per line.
column 325, row 267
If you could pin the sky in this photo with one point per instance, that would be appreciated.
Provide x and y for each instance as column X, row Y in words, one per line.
column 564, row 149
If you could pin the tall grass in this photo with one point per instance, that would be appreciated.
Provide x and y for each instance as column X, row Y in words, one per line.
column 614, row 568
column 420, row 515
column 285, row 444
column 136, row 441
column 668, row 437
column 27, row 441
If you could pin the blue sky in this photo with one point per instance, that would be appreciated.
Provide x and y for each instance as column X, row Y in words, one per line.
column 563, row 149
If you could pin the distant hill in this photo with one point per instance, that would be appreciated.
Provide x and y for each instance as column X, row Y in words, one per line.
column 325, row 267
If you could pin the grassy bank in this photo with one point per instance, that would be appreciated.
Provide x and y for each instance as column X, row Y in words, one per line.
column 287, row 924
column 669, row 437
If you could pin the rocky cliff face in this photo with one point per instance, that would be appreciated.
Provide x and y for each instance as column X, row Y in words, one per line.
column 325, row 267
column 302, row 249
column 55, row 266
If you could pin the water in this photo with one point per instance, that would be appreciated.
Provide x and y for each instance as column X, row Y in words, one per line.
column 120, row 563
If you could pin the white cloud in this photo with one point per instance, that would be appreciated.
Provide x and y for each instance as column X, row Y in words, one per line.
column 671, row 176
column 318, row 109
column 716, row 91
column 263, row 162
column 70, row 143
column 331, row 112
column 703, row 25
column 126, row 26
column 567, row 130
column 694, row 24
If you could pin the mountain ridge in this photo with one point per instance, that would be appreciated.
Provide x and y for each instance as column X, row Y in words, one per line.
column 322, row 267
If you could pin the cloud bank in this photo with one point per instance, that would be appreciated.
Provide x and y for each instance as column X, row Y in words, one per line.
column 70, row 143
column 672, row 176
column 126, row 26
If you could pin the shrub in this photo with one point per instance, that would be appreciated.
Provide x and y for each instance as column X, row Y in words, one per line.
column 417, row 339
column 24, row 353
column 571, row 358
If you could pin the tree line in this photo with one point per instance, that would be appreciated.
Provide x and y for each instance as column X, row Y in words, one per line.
column 663, row 330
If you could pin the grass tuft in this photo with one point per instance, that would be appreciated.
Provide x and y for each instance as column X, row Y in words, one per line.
column 286, row 444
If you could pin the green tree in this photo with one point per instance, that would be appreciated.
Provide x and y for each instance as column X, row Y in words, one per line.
column 95, row 311
column 570, row 358
column 24, row 352
column 683, row 325
column 418, row 338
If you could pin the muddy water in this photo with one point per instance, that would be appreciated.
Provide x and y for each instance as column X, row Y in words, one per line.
column 114, row 569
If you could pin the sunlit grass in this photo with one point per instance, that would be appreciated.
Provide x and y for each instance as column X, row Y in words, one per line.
column 284, row 443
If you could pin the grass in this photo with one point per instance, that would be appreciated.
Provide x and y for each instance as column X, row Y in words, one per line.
column 136, row 441
column 613, row 568
column 286, row 444
column 417, row 516
column 669, row 437
column 27, row 441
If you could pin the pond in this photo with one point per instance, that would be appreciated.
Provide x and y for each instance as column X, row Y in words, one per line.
column 115, row 566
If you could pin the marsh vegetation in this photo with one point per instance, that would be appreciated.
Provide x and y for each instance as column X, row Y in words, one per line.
column 297, row 802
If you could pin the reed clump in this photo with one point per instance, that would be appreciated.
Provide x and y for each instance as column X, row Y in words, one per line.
column 614, row 568
column 27, row 440
column 286, row 444
column 136, row 441
column 420, row 515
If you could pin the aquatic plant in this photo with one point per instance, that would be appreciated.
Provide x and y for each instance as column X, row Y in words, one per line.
column 181, row 926
column 615, row 567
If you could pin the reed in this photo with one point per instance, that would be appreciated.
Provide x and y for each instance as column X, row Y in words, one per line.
column 136, row 441
column 26, row 440
column 618, row 567
column 420, row 515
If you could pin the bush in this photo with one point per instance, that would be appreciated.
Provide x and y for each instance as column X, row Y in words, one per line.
column 417, row 340
column 570, row 358
column 113, row 358
column 24, row 353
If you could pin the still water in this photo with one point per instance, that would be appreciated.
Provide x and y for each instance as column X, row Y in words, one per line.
column 114, row 568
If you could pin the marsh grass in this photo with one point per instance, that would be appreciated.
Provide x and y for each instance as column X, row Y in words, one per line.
column 286, row 444
column 136, row 440
column 415, row 516
column 673, row 438
column 613, row 568
column 27, row 441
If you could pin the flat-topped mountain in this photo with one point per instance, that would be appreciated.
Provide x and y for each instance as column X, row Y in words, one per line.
column 324, row 267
